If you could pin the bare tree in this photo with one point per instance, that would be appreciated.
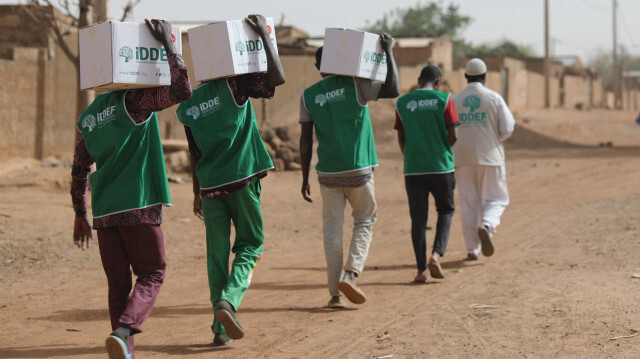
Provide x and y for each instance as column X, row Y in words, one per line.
column 72, row 16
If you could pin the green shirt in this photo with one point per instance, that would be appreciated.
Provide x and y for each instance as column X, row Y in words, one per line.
column 226, row 134
column 130, row 170
column 342, row 125
column 427, row 149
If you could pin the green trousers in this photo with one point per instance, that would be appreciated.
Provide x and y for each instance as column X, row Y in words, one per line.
column 241, row 207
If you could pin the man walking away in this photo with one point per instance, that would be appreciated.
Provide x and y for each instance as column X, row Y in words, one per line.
column 426, row 122
column 480, row 161
column 346, row 158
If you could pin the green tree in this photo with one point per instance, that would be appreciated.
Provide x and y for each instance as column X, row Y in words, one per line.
column 430, row 20
column 434, row 19
column 502, row 48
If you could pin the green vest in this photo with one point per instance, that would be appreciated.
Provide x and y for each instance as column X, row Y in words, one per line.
column 226, row 134
column 427, row 149
column 343, row 126
column 130, row 170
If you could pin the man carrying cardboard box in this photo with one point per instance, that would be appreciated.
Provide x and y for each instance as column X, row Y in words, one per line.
column 119, row 132
column 228, row 158
column 337, row 107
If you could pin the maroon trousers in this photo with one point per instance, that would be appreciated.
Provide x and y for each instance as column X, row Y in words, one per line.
column 123, row 249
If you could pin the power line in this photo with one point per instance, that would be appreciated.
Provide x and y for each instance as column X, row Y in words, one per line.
column 626, row 27
column 595, row 7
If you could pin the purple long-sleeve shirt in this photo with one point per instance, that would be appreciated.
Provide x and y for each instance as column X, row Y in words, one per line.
column 140, row 104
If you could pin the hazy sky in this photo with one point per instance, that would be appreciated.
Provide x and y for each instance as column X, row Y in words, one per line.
column 578, row 27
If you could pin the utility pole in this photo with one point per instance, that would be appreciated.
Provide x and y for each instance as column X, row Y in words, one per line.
column 547, row 64
column 616, row 68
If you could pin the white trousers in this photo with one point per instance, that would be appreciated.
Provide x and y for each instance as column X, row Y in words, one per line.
column 483, row 198
column 364, row 211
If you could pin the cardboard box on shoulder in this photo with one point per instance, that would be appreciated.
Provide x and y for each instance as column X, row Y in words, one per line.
column 353, row 53
column 123, row 55
column 228, row 48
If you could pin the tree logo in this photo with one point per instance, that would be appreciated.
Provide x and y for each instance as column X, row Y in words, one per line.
column 321, row 99
column 412, row 105
column 89, row 122
column 366, row 56
column 126, row 52
column 193, row 112
column 240, row 47
column 473, row 102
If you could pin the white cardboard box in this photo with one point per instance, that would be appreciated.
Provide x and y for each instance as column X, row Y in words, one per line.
column 353, row 53
column 228, row 48
column 121, row 55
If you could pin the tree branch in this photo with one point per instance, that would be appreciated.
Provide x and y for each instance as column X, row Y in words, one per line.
column 127, row 9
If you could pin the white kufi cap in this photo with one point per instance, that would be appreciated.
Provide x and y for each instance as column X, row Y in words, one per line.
column 475, row 67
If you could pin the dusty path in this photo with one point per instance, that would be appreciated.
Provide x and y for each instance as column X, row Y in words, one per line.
column 559, row 286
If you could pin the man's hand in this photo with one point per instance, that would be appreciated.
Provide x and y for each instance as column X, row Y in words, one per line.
column 306, row 192
column 161, row 31
column 259, row 24
column 197, row 206
column 386, row 41
column 82, row 232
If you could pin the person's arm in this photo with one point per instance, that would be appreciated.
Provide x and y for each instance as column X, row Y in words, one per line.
column 401, row 140
column 194, row 157
column 82, row 162
column 391, row 87
column 451, row 121
column 399, row 127
column 275, row 72
column 141, row 103
column 506, row 122
column 306, row 149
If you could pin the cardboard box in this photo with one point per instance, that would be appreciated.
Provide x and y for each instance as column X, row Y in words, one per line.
column 353, row 53
column 228, row 48
column 122, row 55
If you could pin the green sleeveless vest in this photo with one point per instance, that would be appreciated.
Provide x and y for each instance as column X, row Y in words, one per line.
column 226, row 134
column 130, row 170
column 343, row 126
column 427, row 148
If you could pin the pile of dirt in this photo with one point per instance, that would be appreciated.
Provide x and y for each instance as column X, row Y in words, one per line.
column 524, row 138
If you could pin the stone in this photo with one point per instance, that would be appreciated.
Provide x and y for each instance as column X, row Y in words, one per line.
column 279, row 165
column 283, row 133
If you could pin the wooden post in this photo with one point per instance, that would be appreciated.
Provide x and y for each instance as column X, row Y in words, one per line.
column 41, row 103
column 547, row 62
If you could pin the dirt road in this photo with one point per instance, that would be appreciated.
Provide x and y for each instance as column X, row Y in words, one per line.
column 563, row 282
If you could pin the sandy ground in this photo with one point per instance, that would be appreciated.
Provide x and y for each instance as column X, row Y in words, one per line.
column 563, row 283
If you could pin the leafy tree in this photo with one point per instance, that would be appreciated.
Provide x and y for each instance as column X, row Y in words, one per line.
column 502, row 48
column 429, row 20
column 434, row 19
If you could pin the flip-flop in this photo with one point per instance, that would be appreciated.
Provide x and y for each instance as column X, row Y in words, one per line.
column 435, row 269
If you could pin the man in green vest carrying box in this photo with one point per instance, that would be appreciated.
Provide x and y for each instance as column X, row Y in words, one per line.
column 337, row 107
column 228, row 158
column 426, row 122
column 119, row 132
